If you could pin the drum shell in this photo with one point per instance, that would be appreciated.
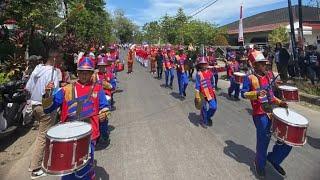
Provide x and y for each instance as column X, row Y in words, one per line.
column 65, row 156
column 289, row 95
column 291, row 134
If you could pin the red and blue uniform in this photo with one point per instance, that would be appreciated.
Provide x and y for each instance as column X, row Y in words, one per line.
column 234, row 87
column 182, row 74
column 169, row 69
column 213, row 62
column 251, row 86
column 93, row 100
column 205, row 87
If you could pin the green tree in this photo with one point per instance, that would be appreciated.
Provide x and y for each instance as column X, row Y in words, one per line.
column 151, row 32
column 278, row 35
column 123, row 27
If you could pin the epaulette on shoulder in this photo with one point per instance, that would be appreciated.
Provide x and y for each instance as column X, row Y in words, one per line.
column 68, row 92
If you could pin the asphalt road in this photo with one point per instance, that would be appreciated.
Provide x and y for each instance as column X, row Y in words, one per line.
column 155, row 135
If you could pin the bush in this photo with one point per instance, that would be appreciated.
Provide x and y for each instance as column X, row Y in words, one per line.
column 308, row 88
column 3, row 78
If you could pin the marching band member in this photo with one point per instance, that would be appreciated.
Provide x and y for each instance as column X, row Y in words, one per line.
column 213, row 62
column 111, row 71
column 256, row 87
column 205, row 90
column 91, row 97
column 131, row 55
column 103, row 77
column 182, row 76
column 169, row 67
column 232, row 68
column 152, row 60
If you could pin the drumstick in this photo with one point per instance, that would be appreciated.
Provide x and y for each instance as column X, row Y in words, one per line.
column 287, row 111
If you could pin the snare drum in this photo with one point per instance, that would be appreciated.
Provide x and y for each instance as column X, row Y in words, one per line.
column 67, row 148
column 239, row 77
column 289, row 93
column 289, row 127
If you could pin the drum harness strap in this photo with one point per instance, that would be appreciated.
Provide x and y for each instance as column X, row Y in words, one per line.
column 81, row 102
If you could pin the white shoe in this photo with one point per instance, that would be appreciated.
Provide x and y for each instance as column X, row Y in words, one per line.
column 37, row 174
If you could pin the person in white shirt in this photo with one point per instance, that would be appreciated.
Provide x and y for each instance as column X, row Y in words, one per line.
column 39, row 78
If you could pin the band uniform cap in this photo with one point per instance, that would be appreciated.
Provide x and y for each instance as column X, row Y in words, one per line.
column 86, row 64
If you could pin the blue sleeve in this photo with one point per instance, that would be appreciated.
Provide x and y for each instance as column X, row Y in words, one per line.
column 50, row 105
column 103, row 103
column 246, row 86
column 197, row 86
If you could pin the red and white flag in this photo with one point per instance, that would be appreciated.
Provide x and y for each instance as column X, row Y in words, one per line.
column 240, row 38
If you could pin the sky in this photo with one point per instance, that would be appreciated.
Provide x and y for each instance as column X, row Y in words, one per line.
column 221, row 13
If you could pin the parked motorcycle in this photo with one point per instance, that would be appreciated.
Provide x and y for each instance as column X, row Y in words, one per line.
column 13, row 98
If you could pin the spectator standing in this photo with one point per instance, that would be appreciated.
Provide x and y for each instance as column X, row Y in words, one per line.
column 282, row 60
column 159, row 59
column 39, row 78
column 312, row 61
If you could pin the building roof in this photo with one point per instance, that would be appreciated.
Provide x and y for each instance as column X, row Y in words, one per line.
column 267, row 21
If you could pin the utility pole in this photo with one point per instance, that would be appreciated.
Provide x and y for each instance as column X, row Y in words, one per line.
column 301, row 39
column 292, row 35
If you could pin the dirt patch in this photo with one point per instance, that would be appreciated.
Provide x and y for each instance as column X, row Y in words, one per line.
column 309, row 105
column 14, row 146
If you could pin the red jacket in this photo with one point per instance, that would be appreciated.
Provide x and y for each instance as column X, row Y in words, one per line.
column 67, row 98
column 232, row 68
column 105, row 77
column 251, row 86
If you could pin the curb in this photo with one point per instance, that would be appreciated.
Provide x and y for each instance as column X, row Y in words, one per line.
column 312, row 99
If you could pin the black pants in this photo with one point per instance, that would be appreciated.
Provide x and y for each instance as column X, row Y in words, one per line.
column 159, row 71
column 313, row 71
column 283, row 71
column 190, row 72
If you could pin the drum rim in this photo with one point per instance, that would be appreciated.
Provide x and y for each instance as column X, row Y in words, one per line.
column 283, row 89
column 66, row 172
column 291, row 143
column 239, row 74
column 56, row 139
column 289, row 123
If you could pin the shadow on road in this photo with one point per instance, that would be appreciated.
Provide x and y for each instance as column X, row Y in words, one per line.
column 101, row 173
column 245, row 155
column 194, row 118
column 163, row 85
column 224, row 94
column 111, row 128
column 249, row 110
column 9, row 139
column 118, row 91
column 314, row 142
column 176, row 95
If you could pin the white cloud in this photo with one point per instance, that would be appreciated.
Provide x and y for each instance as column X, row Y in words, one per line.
column 217, row 13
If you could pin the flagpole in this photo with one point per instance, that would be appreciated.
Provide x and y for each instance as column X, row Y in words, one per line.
column 240, row 37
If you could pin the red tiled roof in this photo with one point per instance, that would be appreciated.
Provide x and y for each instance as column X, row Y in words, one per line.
column 268, row 27
column 315, row 26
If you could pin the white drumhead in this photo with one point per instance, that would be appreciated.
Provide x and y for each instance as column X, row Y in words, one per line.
column 292, row 117
column 289, row 88
column 239, row 74
column 69, row 130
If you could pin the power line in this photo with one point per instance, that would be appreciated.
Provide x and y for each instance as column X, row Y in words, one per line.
column 196, row 13
column 202, row 6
